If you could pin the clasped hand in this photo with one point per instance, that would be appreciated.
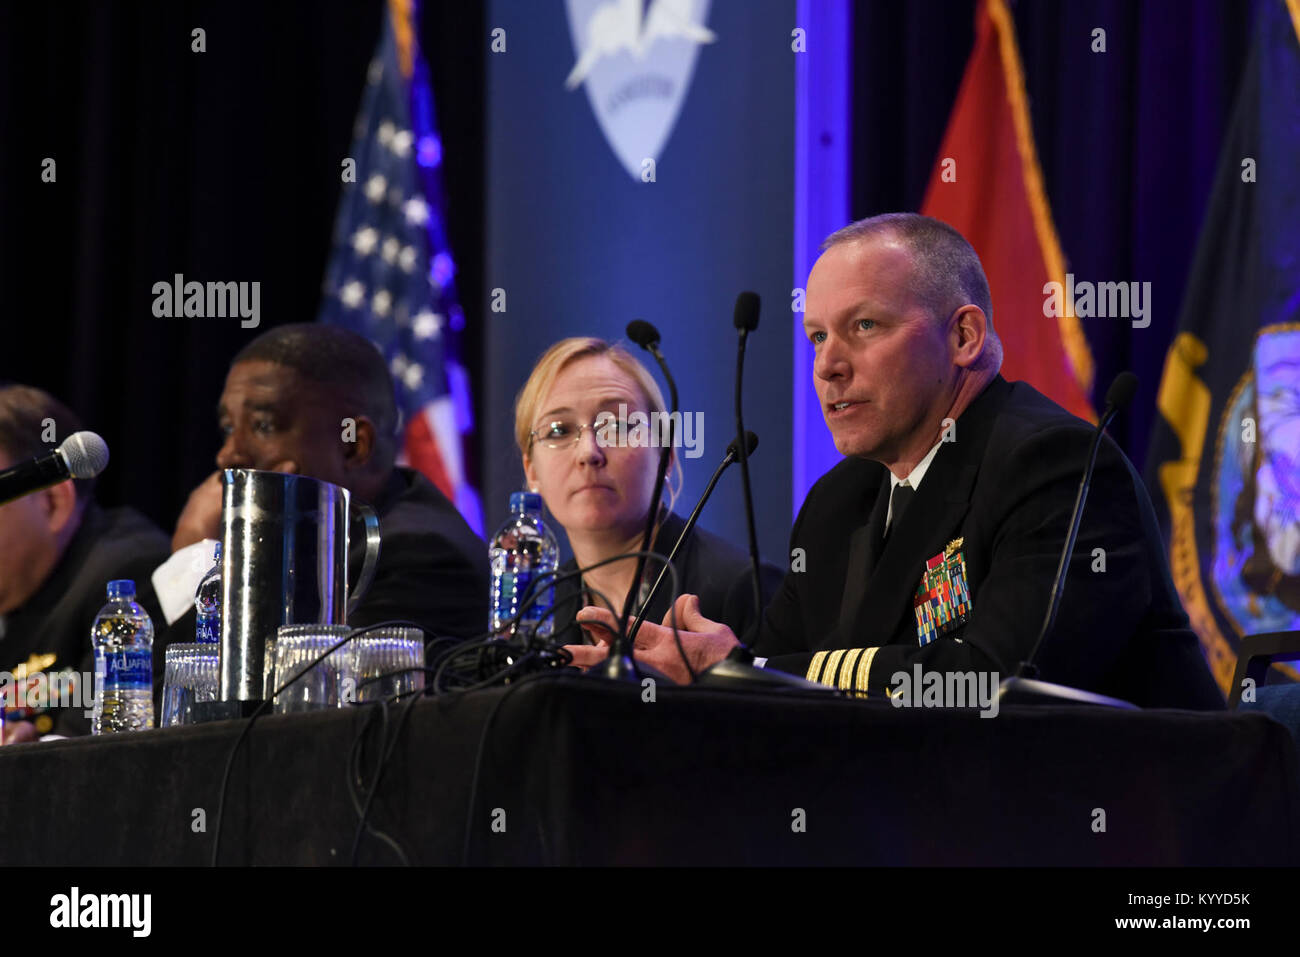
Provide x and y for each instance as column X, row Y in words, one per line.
column 705, row 642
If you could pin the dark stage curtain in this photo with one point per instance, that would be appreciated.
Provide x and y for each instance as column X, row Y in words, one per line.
column 222, row 165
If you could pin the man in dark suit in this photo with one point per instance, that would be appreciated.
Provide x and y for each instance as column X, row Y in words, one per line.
column 956, row 492
column 318, row 400
column 58, row 551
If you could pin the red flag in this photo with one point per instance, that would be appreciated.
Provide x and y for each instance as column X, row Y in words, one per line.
column 988, row 185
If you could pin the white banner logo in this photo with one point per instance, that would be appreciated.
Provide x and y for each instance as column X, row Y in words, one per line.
column 636, row 69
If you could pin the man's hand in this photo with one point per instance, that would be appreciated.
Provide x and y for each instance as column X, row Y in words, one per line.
column 585, row 656
column 16, row 732
column 705, row 642
column 201, row 517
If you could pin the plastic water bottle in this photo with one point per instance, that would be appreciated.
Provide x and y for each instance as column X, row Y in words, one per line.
column 207, row 604
column 122, row 638
column 522, row 551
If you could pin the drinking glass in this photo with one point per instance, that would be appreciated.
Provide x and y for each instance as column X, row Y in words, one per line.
column 389, row 662
column 190, row 677
column 317, row 685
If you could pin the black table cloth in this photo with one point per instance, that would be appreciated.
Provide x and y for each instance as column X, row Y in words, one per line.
column 571, row 770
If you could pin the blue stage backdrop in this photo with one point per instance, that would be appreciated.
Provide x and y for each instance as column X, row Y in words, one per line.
column 580, row 239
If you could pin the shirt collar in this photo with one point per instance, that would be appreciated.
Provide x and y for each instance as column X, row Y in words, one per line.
column 914, row 477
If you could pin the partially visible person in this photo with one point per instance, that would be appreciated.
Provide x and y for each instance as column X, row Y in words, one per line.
column 283, row 408
column 58, row 551
column 567, row 418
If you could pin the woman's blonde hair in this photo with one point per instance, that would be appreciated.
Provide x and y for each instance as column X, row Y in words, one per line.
column 552, row 363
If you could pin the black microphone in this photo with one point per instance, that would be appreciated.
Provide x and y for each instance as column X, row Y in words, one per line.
column 733, row 452
column 643, row 334
column 619, row 664
column 745, row 314
column 1024, row 686
column 745, row 318
column 82, row 455
column 737, row 669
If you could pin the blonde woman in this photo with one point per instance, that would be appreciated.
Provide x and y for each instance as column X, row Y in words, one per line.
column 599, row 490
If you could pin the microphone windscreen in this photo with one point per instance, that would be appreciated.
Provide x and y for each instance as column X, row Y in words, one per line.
column 746, row 314
column 751, row 443
column 642, row 333
column 86, row 454
column 1121, row 390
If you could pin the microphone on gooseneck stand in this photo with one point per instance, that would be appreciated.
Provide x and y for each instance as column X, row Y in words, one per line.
column 1024, row 687
column 82, row 455
column 733, row 453
column 737, row 669
column 619, row 664
column 745, row 318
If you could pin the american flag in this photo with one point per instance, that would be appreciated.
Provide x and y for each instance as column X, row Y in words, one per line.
column 391, row 275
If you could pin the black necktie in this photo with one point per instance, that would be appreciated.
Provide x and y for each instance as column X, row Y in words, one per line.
column 898, row 504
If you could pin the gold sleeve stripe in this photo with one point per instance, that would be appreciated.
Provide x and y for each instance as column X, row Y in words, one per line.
column 845, row 679
column 833, row 667
column 815, row 669
column 864, row 671
column 846, row 668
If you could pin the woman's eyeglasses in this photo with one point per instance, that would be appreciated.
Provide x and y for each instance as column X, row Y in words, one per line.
column 567, row 433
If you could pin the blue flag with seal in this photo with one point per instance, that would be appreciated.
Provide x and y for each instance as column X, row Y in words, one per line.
column 1225, row 454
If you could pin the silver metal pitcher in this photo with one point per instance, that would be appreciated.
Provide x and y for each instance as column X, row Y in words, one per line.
column 284, row 561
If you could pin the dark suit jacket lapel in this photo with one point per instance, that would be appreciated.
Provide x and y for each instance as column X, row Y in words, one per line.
column 883, row 613
column 864, row 551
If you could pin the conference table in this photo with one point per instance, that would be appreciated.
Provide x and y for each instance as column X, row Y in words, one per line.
column 569, row 769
